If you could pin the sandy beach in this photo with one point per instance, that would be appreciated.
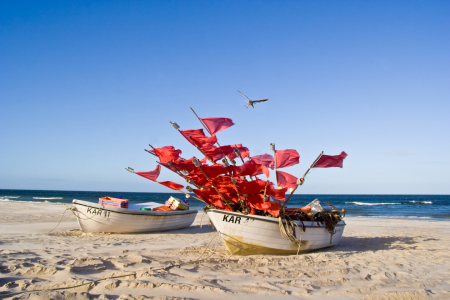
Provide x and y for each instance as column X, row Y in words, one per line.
column 377, row 259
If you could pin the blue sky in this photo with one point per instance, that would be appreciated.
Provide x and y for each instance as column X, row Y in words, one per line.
column 85, row 86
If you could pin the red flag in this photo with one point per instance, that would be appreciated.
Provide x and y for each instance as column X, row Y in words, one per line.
column 166, row 154
column 264, row 159
column 216, row 153
column 183, row 164
column 273, row 208
column 214, row 170
column 189, row 132
column 328, row 161
column 279, row 194
column 172, row 185
column 152, row 175
column 257, row 202
column 251, row 168
column 215, row 125
column 203, row 141
column 199, row 179
column 211, row 197
column 286, row 180
column 243, row 150
column 251, row 187
column 287, row 158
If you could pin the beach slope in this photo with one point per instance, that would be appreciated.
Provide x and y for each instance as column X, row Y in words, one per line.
column 377, row 259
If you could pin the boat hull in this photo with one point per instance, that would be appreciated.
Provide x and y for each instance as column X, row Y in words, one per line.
column 93, row 217
column 251, row 234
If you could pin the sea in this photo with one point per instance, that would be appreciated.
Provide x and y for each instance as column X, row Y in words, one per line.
column 436, row 207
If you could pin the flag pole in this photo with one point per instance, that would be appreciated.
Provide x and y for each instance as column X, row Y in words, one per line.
column 238, row 153
column 272, row 147
column 132, row 171
column 178, row 172
column 175, row 125
column 204, row 125
column 198, row 165
column 301, row 180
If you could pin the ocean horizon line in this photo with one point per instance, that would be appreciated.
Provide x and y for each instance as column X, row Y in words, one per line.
column 100, row 191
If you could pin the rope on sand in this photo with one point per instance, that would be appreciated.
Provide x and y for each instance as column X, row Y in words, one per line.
column 73, row 211
column 197, row 261
column 69, row 208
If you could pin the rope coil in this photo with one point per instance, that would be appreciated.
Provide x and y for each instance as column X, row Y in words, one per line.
column 287, row 229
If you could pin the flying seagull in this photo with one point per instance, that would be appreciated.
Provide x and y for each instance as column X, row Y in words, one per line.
column 250, row 102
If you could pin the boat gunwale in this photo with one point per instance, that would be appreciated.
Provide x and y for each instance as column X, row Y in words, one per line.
column 127, row 211
column 268, row 219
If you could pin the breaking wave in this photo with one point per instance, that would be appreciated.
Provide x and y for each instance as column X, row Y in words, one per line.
column 363, row 203
column 421, row 202
column 392, row 203
column 7, row 197
column 48, row 198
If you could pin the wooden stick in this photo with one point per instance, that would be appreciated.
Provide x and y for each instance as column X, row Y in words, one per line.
column 272, row 146
column 182, row 191
column 179, row 173
column 301, row 180
column 151, row 152
column 192, row 142
column 193, row 197
column 240, row 156
column 201, row 121
column 206, row 176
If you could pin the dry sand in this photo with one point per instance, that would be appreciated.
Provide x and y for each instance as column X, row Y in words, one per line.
column 377, row 259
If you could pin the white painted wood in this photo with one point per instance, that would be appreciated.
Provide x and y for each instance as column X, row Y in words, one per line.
column 94, row 217
column 250, row 234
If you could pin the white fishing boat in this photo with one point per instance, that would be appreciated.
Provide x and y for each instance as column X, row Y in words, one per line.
column 93, row 217
column 253, row 234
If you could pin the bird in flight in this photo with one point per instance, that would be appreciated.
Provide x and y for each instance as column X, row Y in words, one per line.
column 250, row 102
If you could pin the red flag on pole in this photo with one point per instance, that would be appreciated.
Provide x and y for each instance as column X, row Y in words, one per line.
column 328, row 161
column 243, row 150
column 287, row 158
column 152, row 175
column 215, row 125
column 172, row 185
column 187, row 133
column 286, row 180
column 251, row 168
column 265, row 159
column 203, row 141
column 166, row 154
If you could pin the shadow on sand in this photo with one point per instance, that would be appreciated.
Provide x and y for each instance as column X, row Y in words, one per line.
column 363, row 244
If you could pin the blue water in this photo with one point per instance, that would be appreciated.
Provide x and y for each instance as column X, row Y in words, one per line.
column 392, row 206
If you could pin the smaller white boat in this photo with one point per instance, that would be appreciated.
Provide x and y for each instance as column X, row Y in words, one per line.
column 252, row 234
column 93, row 217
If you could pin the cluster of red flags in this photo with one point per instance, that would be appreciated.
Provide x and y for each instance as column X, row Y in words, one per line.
column 227, row 187
column 284, row 158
